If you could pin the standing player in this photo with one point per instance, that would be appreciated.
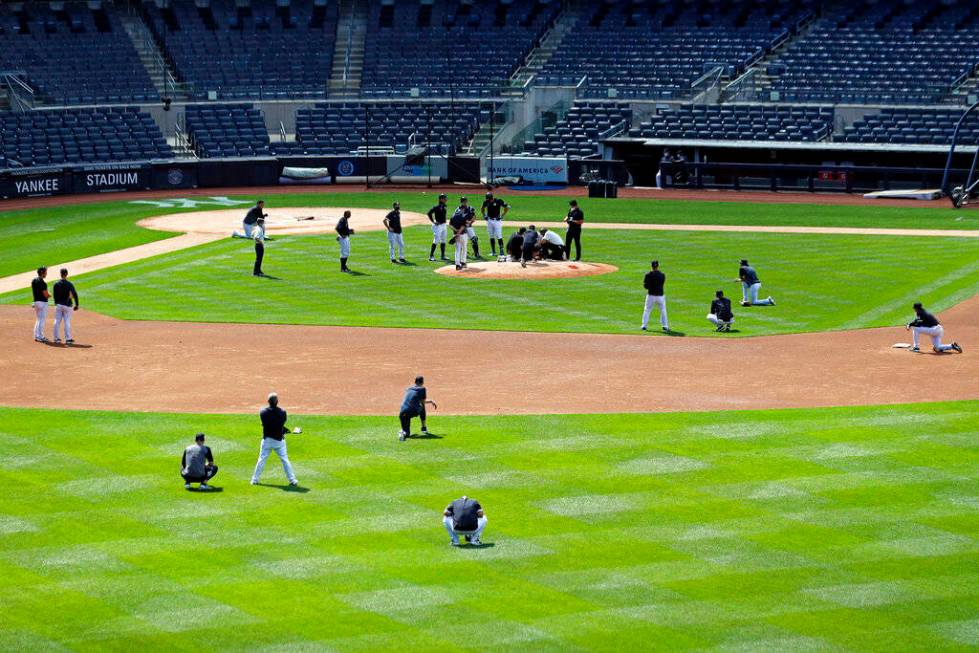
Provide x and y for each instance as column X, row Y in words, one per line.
column 396, row 241
column 259, row 236
column 274, row 432
column 720, row 314
column 65, row 302
column 494, row 210
column 437, row 215
column 926, row 323
column 344, row 232
column 470, row 214
column 40, row 294
column 413, row 405
column 654, row 283
column 576, row 218
column 750, row 285
column 460, row 233
column 254, row 214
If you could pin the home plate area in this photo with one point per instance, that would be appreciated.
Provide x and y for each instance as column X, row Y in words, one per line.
column 535, row 270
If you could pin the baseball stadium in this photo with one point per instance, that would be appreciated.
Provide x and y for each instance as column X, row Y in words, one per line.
column 572, row 325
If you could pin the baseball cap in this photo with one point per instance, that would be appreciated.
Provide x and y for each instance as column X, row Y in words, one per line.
column 199, row 437
column 443, row 196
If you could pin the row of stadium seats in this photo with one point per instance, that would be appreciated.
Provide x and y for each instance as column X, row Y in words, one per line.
column 913, row 126
column 264, row 51
column 657, row 50
column 75, row 55
column 340, row 128
column 449, row 47
column 740, row 122
column 578, row 134
column 227, row 130
column 56, row 137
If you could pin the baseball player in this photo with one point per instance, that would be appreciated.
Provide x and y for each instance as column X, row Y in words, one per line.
column 551, row 245
column 720, row 314
column 274, row 433
column 413, row 405
column 465, row 517
column 396, row 240
column 530, row 240
column 40, row 295
column 344, row 232
column 197, row 464
column 470, row 214
column 926, row 323
column 514, row 246
column 459, row 222
column 750, row 285
column 258, row 235
column 437, row 215
column 574, row 220
column 494, row 210
column 65, row 303
column 254, row 214
column 654, row 282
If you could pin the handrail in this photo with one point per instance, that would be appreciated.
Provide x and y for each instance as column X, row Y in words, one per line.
column 711, row 80
column 282, row 131
column 16, row 86
column 582, row 82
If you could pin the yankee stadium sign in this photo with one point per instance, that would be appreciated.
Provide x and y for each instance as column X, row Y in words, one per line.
column 112, row 179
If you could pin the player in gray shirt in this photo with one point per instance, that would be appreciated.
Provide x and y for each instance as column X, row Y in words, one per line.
column 197, row 464
column 464, row 516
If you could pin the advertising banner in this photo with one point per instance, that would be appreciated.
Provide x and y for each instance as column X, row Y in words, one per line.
column 111, row 178
column 34, row 183
column 530, row 169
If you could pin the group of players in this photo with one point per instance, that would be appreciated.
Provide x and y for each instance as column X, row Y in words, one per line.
column 525, row 245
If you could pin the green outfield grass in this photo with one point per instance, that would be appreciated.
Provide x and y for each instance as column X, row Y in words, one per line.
column 820, row 283
column 53, row 235
column 830, row 529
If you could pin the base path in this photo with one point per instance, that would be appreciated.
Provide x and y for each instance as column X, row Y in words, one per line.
column 227, row 368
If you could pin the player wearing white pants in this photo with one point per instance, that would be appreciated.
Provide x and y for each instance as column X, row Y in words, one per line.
column 464, row 516
column 40, row 295
column 720, row 314
column 654, row 282
column 462, row 246
column 396, row 241
column 65, row 303
column 493, row 211
column 251, row 219
column 437, row 215
column 927, row 324
column 460, row 228
column 273, row 439
column 750, row 286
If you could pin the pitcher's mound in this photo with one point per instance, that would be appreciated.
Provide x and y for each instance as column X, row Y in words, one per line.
column 542, row 270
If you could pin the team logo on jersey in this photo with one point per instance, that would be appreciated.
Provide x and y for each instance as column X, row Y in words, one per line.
column 345, row 168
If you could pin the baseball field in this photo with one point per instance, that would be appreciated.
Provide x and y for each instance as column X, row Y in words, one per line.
column 796, row 484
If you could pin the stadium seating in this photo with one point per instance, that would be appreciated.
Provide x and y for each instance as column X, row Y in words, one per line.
column 578, row 135
column 55, row 137
column 914, row 126
column 339, row 128
column 448, row 47
column 741, row 122
column 658, row 50
column 880, row 53
column 224, row 130
column 257, row 52
column 74, row 56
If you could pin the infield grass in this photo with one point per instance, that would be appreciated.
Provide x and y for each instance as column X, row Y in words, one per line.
column 53, row 235
column 820, row 283
column 829, row 529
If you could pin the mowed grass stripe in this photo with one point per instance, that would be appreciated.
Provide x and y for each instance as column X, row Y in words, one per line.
column 821, row 283
column 832, row 528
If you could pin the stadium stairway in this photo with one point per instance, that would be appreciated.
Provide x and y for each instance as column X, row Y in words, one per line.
column 548, row 45
column 351, row 34
column 159, row 70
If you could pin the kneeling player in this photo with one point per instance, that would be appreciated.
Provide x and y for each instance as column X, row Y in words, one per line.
column 720, row 314
column 514, row 246
column 551, row 245
column 197, row 464
column 413, row 405
column 464, row 516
